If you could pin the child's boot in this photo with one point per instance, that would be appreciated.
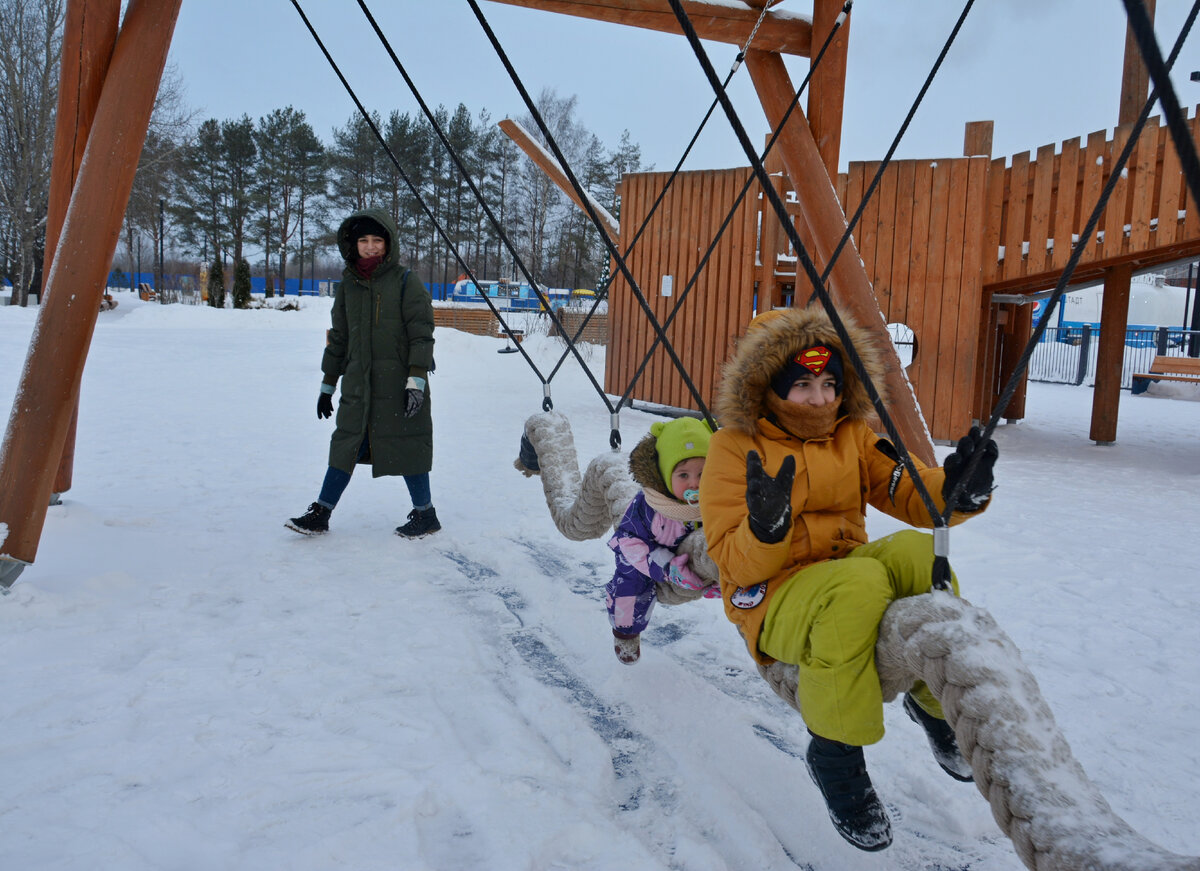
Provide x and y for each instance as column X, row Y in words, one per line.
column 420, row 523
column 941, row 741
column 840, row 772
column 313, row 522
column 628, row 648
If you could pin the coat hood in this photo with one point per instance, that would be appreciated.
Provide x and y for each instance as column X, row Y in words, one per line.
column 771, row 339
column 346, row 244
column 643, row 466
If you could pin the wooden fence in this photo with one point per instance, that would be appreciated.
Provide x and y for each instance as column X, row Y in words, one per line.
column 717, row 306
column 1036, row 209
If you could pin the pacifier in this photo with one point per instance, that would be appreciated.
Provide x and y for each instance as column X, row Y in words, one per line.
column 691, row 497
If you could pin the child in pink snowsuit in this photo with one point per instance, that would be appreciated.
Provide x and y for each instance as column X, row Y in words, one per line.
column 667, row 464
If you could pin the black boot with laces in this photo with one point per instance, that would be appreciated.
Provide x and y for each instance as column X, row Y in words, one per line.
column 421, row 523
column 840, row 772
column 313, row 522
column 941, row 741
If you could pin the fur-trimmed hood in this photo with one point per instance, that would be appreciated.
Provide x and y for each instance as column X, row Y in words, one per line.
column 643, row 466
column 770, row 340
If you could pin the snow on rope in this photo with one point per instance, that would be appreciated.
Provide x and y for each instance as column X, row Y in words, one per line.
column 1039, row 794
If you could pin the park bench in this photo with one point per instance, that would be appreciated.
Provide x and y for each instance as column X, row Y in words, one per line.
column 1186, row 369
column 146, row 292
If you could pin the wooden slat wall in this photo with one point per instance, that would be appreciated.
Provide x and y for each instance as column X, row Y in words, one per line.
column 716, row 310
column 1032, row 202
column 921, row 249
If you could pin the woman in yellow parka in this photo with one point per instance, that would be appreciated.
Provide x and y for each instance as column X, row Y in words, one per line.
column 783, row 499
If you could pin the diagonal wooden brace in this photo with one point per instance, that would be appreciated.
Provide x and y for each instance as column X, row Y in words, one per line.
column 822, row 213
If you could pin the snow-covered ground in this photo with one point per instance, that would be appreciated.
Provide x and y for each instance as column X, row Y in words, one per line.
column 186, row 684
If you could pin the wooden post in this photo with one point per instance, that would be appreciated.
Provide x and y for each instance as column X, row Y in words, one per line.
column 826, row 221
column 1135, row 78
column 89, row 33
column 827, row 87
column 49, row 386
column 1110, row 353
column 977, row 139
column 1114, row 309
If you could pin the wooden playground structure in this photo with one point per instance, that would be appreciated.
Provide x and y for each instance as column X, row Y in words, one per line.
column 954, row 248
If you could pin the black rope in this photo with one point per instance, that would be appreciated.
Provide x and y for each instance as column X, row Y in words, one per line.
column 412, row 187
column 703, row 263
column 810, row 270
column 1143, row 32
column 654, row 208
column 615, row 436
column 658, row 201
column 1077, row 252
column 887, row 158
column 488, row 211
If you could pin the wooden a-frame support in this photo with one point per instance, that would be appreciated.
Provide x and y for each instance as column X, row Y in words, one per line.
column 49, row 387
column 809, row 153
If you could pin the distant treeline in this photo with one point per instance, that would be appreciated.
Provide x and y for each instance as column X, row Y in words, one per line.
column 271, row 192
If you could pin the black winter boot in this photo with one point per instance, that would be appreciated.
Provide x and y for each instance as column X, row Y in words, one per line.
column 840, row 772
column 941, row 741
column 313, row 522
column 420, row 524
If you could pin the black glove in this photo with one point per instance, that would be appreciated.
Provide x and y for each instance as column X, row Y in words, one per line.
column 413, row 400
column 324, row 405
column 975, row 491
column 414, row 395
column 769, row 499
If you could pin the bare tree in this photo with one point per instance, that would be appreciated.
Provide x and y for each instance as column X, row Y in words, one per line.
column 30, row 59
column 159, row 166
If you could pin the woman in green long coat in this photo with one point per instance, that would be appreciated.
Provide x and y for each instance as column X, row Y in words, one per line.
column 381, row 346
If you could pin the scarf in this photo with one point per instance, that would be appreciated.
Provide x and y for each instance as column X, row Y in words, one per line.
column 671, row 508
column 366, row 266
column 802, row 421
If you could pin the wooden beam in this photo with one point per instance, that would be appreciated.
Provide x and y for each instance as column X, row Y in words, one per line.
column 827, row 87
column 89, row 34
column 49, row 385
column 1135, row 78
column 781, row 32
column 550, row 165
column 850, row 286
column 1110, row 354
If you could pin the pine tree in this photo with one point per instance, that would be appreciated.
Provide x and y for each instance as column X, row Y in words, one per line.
column 216, row 284
column 241, row 284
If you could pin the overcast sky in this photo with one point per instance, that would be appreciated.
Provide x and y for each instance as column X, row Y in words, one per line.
column 1043, row 70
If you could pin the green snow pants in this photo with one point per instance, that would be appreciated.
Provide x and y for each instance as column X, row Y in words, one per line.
column 825, row 620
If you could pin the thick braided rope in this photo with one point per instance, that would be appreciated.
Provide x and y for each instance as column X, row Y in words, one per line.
column 588, row 506
column 582, row 507
column 1040, row 796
